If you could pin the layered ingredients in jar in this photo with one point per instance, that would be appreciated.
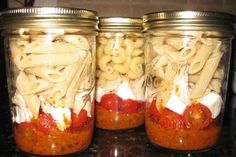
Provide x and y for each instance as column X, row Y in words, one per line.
column 52, row 90
column 186, row 75
column 120, row 80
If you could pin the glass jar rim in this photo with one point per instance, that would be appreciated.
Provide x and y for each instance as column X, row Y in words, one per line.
column 120, row 24
column 189, row 20
column 38, row 17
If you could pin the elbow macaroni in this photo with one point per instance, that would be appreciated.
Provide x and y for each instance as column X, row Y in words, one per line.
column 120, row 57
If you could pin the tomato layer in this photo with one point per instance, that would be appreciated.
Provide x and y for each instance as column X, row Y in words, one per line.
column 182, row 139
column 42, row 137
column 112, row 120
column 32, row 140
column 115, row 103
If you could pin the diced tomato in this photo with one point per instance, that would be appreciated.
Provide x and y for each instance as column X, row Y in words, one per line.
column 171, row 120
column 129, row 106
column 197, row 116
column 111, row 102
column 154, row 113
column 24, row 125
column 45, row 122
column 78, row 120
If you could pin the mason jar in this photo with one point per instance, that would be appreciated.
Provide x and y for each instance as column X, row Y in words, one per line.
column 120, row 74
column 187, row 56
column 50, row 61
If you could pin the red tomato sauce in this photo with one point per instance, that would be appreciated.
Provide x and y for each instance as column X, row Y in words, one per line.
column 183, row 138
column 33, row 140
column 113, row 120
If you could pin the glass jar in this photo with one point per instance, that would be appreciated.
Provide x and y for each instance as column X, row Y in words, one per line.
column 187, row 56
column 50, row 61
column 120, row 74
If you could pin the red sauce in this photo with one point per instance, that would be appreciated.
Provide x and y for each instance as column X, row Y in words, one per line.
column 113, row 120
column 184, row 138
column 55, row 142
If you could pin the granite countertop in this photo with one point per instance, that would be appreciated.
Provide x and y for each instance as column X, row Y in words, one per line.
column 129, row 143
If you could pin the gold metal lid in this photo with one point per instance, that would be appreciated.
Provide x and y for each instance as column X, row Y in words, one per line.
column 189, row 20
column 44, row 17
column 120, row 24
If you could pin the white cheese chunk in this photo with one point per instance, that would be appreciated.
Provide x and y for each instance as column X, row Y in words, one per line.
column 21, row 114
column 175, row 104
column 214, row 102
column 18, row 100
column 87, row 107
column 99, row 93
column 180, row 85
column 61, row 115
column 125, row 92
column 20, row 111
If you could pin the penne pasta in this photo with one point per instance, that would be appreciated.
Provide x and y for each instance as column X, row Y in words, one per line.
column 44, row 47
column 200, row 58
column 206, row 76
column 34, row 60
column 46, row 73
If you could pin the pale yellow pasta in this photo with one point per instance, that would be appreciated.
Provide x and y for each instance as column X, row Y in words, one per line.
column 134, row 75
column 25, row 86
column 171, row 70
column 102, row 40
column 99, row 51
column 31, row 100
column 215, row 85
column 136, row 64
column 103, row 62
column 163, row 94
column 162, row 61
column 33, row 104
column 206, row 76
column 46, row 73
column 17, row 54
column 171, row 53
column 118, row 55
column 101, row 82
column 59, row 89
column 137, row 52
column 219, row 74
column 108, row 47
column 49, row 47
column 51, row 59
column 109, row 76
column 73, row 87
column 193, row 78
column 160, row 72
column 78, row 40
column 189, row 51
column 200, row 58
column 177, row 43
column 138, row 43
column 129, row 46
column 121, row 68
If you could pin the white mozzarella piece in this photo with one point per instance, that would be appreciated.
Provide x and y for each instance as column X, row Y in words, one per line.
column 21, row 114
column 87, row 107
column 181, row 89
column 214, row 102
column 61, row 115
column 99, row 93
column 175, row 104
column 18, row 100
column 125, row 92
